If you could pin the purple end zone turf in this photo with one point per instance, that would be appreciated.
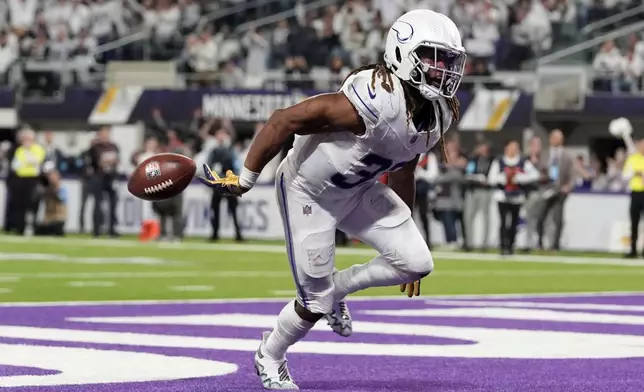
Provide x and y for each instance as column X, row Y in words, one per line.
column 610, row 346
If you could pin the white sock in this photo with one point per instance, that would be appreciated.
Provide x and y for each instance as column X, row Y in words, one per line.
column 377, row 273
column 290, row 329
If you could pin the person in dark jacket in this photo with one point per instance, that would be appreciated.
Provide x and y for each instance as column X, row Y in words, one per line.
column 104, row 160
column 221, row 159
column 510, row 174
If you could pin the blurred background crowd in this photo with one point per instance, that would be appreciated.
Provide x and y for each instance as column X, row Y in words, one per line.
column 305, row 43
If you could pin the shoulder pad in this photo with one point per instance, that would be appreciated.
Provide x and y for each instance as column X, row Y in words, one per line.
column 372, row 102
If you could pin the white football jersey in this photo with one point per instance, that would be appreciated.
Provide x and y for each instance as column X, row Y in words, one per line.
column 340, row 164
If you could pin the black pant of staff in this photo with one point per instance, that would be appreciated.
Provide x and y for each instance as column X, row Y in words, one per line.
column 636, row 209
column 23, row 199
column 232, row 203
column 508, row 223
column 104, row 186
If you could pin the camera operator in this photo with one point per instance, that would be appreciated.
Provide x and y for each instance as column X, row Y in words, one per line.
column 54, row 198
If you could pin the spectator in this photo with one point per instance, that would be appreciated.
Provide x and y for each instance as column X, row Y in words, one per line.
column 229, row 46
column 54, row 155
column 337, row 73
column 80, row 18
column 561, row 172
column 202, row 56
column 57, row 15
column 279, row 43
column 104, row 158
column 82, row 54
column 61, row 47
column 632, row 72
column 478, row 195
column 353, row 40
column 426, row 174
column 190, row 15
column 510, row 173
column 449, row 201
column 374, row 44
column 530, row 33
column 585, row 174
column 534, row 203
column 22, row 15
column 9, row 52
column 231, row 77
column 608, row 66
column 84, row 164
column 220, row 160
column 485, row 33
column 257, row 48
column 168, row 16
column 297, row 73
column 303, row 42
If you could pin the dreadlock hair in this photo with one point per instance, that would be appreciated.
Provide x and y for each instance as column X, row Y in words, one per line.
column 414, row 106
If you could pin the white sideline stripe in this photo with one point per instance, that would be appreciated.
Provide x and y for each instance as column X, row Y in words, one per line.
column 9, row 278
column 91, row 283
column 258, row 248
column 4, row 290
column 539, row 305
column 283, row 292
column 281, row 274
column 589, row 294
column 193, row 288
column 159, row 274
column 514, row 314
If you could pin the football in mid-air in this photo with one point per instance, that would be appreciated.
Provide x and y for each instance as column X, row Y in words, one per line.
column 162, row 176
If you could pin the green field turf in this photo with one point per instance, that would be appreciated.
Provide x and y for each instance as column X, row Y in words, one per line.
column 78, row 269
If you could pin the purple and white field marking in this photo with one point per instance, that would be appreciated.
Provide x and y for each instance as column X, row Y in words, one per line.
column 569, row 343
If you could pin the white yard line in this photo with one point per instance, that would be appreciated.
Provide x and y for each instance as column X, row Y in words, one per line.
column 91, row 283
column 352, row 298
column 193, row 288
column 4, row 290
column 282, row 274
column 258, row 248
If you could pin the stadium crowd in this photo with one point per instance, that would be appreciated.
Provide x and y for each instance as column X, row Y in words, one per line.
column 308, row 43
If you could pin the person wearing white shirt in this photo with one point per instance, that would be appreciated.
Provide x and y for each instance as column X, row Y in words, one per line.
column 22, row 13
column 57, row 15
column 79, row 18
column 168, row 18
column 510, row 173
column 608, row 66
column 9, row 52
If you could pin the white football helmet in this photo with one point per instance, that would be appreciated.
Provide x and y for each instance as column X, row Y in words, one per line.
column 424, row 49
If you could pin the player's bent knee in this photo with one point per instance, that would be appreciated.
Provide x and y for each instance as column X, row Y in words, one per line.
column 306, row 314
column 417, row 261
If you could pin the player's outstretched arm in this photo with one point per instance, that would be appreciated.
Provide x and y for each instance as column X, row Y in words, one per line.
column 319, row 114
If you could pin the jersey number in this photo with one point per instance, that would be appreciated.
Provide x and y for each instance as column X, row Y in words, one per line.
column 375, row 165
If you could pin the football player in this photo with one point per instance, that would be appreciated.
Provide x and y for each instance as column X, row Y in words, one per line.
column 382, row 118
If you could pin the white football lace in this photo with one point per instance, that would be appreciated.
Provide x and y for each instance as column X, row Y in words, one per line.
column 158, row 187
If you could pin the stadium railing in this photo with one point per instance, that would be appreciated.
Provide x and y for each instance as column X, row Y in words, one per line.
column 590, row 44
column 600, row 24
column 224, row 12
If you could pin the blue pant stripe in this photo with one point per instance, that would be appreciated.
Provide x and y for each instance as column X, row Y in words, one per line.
column 289, row 243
